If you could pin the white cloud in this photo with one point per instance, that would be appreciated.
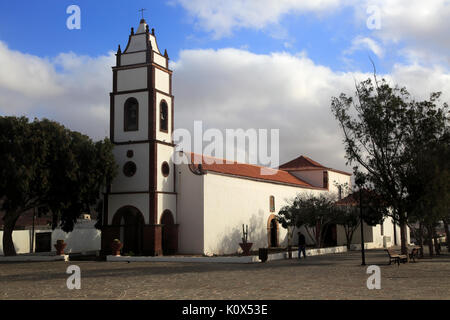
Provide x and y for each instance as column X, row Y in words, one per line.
column 419, row 26
column 227, row 88
column 221, row 17
column 70, row 89
column 232, row 88
column 364, row 43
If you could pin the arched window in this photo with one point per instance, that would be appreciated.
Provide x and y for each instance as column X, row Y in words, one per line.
column 163, row 116
column 131, row 115
column 325, row 179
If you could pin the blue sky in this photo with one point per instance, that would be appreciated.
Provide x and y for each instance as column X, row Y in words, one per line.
column 269, row 64
column 39, row 28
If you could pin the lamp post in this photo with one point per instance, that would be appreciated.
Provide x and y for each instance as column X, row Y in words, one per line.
column 363, row 254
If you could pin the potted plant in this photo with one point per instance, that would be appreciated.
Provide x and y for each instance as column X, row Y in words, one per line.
column 116, row 246
column 60, row 246
column 245, row 245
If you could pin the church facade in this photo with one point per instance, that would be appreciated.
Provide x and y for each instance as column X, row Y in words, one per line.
column 156, row 207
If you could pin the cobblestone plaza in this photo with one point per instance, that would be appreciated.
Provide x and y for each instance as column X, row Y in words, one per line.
column 337, row 276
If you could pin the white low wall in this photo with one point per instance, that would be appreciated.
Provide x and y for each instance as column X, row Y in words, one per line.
column 83, row 238
column 21, row 240
column 233, row 259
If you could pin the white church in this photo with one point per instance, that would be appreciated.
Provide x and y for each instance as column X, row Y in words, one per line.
column 156, row 207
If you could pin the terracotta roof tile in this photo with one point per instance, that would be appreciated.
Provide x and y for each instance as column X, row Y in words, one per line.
column 304, row 163
column 248, row 170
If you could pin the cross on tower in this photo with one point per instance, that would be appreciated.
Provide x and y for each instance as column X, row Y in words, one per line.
column 142, row 12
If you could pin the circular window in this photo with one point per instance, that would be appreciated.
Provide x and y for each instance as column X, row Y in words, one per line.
column 165, row 169
column 130, row 153
column 129, row 169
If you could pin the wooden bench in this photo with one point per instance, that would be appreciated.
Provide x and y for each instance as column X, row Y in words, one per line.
column 394, row 256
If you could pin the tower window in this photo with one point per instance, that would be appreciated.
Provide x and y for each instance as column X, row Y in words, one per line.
column 164, row 116
column 129, row 169
column 131, row 114
column 272, row 204
column 165, row 169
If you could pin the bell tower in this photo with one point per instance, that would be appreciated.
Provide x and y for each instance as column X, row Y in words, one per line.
column 140, row 204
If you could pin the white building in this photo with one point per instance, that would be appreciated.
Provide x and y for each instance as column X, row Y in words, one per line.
column 155, row 206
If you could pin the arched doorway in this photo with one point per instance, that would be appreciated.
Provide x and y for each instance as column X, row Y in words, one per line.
column 169, row 234
column 272, row 231
column 130, row 223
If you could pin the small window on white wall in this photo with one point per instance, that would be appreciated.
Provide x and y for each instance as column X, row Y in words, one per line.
column 131, row 115
column 164, row 116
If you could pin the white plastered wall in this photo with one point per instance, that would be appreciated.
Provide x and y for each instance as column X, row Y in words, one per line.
column 162, row 81
column 133, row 58
column 338, row 178
column 190, row 204
column 154, row 43
column 138, row 42
column 132, row 79
column 314, row 177
column 231, row 202
column 165, row 154
column 117, row 201
column 167, row 202
column 140, row 180
column 160, row 60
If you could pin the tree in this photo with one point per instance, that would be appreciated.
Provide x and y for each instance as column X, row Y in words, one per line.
column 378, row 126
column 348, row 209
column 46, row 166
column 429, row 187
column 314, row 212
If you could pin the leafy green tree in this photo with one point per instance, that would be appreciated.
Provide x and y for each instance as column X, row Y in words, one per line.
column 429, row 187
column 46, row 166
column 316, row 213
column 378, row 127
column 348, row 213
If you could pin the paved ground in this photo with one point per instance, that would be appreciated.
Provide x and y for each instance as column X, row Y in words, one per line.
column 338, row 276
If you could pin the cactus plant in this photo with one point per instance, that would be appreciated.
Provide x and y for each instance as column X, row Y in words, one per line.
column 245, row 234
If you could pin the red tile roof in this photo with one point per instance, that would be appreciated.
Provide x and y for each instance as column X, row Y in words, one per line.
column 248, row 171
column 304, row 163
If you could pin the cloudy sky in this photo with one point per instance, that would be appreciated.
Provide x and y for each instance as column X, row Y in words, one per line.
column 263, row 64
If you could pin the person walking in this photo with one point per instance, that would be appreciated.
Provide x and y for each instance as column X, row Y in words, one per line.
column 301, row 245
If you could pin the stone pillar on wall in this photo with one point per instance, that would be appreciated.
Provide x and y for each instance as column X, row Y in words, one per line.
column 109, row 233
column 152, row 240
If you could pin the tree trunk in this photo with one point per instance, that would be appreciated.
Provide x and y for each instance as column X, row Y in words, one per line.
column 403, row 236
column 436, row 242
column 430, row 239
column 318, row 235
column 447, row 234
column 420, row 234
column 349, row 238
column 8, row 228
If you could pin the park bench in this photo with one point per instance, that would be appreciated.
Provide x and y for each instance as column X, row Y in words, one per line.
column 394, row 256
